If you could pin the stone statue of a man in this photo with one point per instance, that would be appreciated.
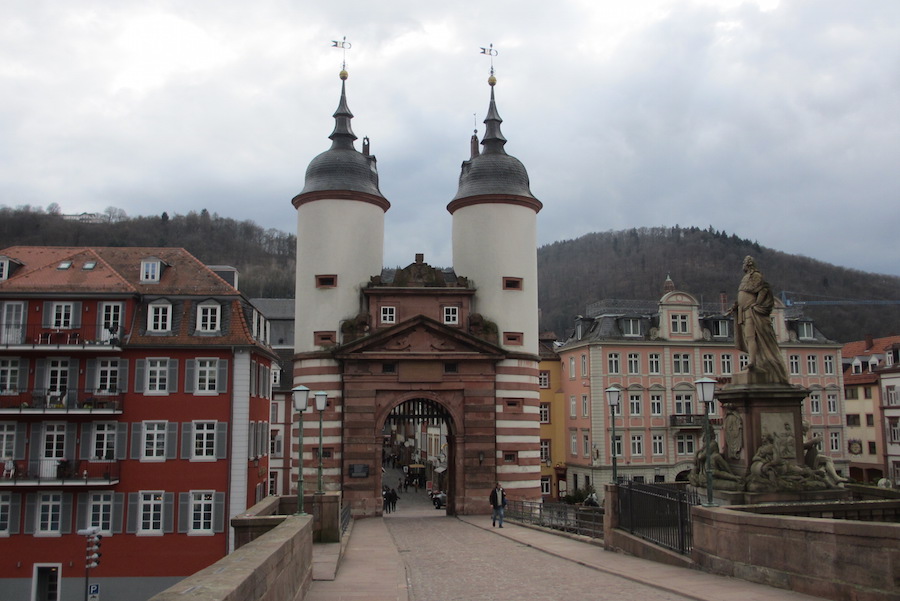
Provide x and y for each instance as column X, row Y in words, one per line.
column 753, row 332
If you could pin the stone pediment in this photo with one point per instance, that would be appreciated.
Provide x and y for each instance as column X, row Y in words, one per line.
column 420, row 336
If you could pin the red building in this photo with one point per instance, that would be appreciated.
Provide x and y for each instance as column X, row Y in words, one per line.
column 134, row 397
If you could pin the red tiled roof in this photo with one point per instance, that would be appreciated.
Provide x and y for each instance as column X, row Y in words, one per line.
column 861, row 348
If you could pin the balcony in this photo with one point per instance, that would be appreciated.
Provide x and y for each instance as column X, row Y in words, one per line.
column 60, row 472
column 692, row 421
column 87, row 336
column 42, row 401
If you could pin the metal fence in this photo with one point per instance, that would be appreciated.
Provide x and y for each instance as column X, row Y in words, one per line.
column 658, row 513
column 587, row 521
column 345, row 518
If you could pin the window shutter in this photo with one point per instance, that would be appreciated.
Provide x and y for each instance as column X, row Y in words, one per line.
column 36, row 445
column 118, row 502
column 85, row 445
column 71, row 436
column 72, row 386
column 251, row 445
column 30, row 508
column 137, row 435
column 189, row 367
column 121, row 440
column 221, row 440
column 82, row 510
column 15, row 510
column 40, row 376
column 172, row 440
column 219, row 512
column 139, row 368
column 187, row 431
column 65, row 519
column 23, row 374
column 222, row 379
column 173, row 376
column 123, row 375
column 133, row 512
column 20, row 441
column 253, row 379
column 184, row 509
column 168, row 512
column 76, row 315
column 47, row 319
column 90, row 380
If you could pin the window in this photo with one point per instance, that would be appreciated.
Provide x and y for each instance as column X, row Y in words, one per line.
column 150, row 271
column 62, row 315
column 9, row 513
column 743, row 361
column 49, row 514
column 794, row 361
column 812, row 365
column 544, row 411
column 873, row 449
column 834, row 439
column 201, row 511
column 100, row 511
column 634, row 363
column 326, row 281
column 679, row 323
column 805, row 330
column 544, row 379
column 634, row 403
column 831, row 401
column 9, row 376
column 851, row 393
column 829, row 365
column 545, row 450
column 204, row 440
column 545, row 486
column 512, row 283
column 325, row 338
column 894, row 429
column 585, row 405
column 815, row 403
column 853, row 419
column 684, row 404
column 584, row 368
column 207, row 372
column 208, row 317
column 451, row 367
column 8, row 439
column 684, row 444
column 857, row 366
column 159, row 317
column 573, row 409
column 103, row 444
column 571, row 368
column 151, row 512
column 720, row 328
column 573, row 443
column 659, row 445
column 613, row 363
column 870, row 420
column 681, row 363
column 637, row 445
column 726, row 364
column 656, row 404
column 617, row 446
column 653, row 363
column 108, row 376
column 276, row 443
column 155, row 434
column 388, row 368
column 4, row 268
column 631, row 327
column 158, row 375
column 451, row 315
column 709, row 364
column 585, row 444
column 512, row 338
column 867, row 392
column 389, row 315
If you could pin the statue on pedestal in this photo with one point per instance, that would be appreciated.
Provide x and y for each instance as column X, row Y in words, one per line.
column 753, row 331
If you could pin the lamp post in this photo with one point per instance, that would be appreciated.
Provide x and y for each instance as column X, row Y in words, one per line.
column 612, row 399
column 707, row 389
column 301, row 401
column 321, row 403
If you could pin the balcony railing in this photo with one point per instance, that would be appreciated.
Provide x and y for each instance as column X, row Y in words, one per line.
column 86, row 335
column 692, row 420
column 36, row 472
column 62, row 401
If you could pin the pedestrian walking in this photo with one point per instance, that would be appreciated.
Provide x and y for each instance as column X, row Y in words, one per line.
column 393, row 499
column 498, row 504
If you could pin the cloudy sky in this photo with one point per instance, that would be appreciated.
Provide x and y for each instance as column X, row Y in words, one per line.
column 774, row 120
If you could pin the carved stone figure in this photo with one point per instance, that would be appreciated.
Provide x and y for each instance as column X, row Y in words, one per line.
column 734, row 435
column 754, row 333
column 820, row 462
column 723, row 477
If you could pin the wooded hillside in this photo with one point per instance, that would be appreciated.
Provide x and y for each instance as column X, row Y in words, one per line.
column 631, row 264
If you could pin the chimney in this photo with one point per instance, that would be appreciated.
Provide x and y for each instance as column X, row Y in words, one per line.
column 870, row 342
column 420, row 258
column 723, row 301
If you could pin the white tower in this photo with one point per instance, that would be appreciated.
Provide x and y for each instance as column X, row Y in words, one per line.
column 495, row 237
column 340, row 235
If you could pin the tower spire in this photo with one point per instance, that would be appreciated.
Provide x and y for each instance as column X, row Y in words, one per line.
column 342, row 136
column 493, row 140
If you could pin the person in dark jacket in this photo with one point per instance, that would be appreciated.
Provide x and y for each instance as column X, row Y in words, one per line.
column 498, row 503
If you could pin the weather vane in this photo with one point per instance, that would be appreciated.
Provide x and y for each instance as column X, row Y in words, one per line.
column 345, row 46
column 489, row 51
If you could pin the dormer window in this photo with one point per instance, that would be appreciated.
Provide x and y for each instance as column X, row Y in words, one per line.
column 451, row 315
column 857, row 366
column 389, row 315
column 4, row 268
column 631, row 326
column 159, row 317
column 679, row 323
column 805, row 330
column 720, row 328
column 150, row 270
column 209, row 317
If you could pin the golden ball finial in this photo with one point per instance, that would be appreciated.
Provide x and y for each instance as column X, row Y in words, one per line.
column 492, row 81
column 344, row 74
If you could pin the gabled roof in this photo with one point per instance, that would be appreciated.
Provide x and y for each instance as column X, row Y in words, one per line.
column 420, row 337
column 866, row 348
column 117, row 271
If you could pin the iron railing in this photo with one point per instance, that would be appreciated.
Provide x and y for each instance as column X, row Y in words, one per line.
column 587, row 521
column 62, row 400
column 60, row 471
column 658, row 513
column 345, row 519
column 86, row 335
